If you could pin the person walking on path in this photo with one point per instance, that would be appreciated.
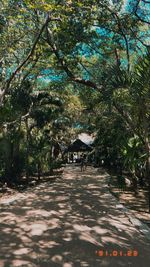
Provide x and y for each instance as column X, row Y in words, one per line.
column 83, row 162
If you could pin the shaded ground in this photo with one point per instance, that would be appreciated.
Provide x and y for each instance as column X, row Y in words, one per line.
column 22, row 184
column 138, row 203
column 64, row 223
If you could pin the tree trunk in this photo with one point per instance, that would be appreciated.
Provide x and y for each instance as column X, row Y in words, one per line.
column 147, row 146
column 27, row 149
column 8, row 162
column 39, row 170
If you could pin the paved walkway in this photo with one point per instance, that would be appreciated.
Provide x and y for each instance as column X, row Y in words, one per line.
column 67, row 223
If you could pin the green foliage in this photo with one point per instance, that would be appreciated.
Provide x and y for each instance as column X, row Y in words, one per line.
column 21, row 98
column 133, row 154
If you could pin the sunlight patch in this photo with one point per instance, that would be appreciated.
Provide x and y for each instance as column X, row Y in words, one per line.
column 57, row 259
column 67, row 264
column 38, row 228
column 18, row 263
column 39, row 212
column 22, row 251
column 81, row 228
column 88, row 238
column 99, row 230
column 54, row 223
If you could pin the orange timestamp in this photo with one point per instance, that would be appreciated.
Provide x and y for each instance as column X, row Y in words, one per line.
column 116, row 253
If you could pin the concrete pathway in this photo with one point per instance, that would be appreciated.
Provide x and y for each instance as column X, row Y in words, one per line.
column 72, row 222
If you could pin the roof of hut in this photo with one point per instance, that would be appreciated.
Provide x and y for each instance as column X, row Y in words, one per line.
column 78, row 146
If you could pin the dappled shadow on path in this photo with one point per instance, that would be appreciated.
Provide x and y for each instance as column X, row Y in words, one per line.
column 65, row 223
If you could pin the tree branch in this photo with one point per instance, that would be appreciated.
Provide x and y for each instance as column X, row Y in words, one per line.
column 25, row 60
column 64, row 65
column 127, row 119
column 125, row 38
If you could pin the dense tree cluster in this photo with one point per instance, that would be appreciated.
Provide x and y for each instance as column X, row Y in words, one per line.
column 65, row 63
